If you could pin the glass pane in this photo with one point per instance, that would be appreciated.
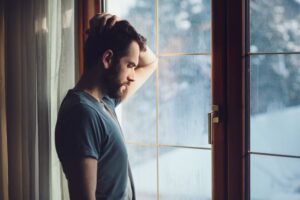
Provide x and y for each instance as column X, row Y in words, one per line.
column 140, row 13
column 185, row 174
column 275, row 103
column 143, row 165
column 274, row 25
column 185, row 99
column 275, row 178
column 138, row 114
column 184, row 26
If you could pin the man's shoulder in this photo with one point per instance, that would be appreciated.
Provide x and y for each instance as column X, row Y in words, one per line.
column 76, row 111
column 80, row 102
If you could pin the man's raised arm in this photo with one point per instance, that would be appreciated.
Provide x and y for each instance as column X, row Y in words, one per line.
column 148, row 63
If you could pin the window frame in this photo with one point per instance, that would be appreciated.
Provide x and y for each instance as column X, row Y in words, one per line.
column 85, row 10
column 236, row 99
column 219, row 153
column 230, row 152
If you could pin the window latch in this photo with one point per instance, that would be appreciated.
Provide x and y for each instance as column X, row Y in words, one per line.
column 213, row 118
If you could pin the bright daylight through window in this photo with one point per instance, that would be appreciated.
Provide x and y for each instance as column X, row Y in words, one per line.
column 166, row 133
column 274, row 99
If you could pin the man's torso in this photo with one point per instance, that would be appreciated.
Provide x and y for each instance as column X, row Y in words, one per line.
column 88, row 128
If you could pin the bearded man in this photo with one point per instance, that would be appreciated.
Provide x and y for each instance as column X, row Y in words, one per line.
column 88, row 136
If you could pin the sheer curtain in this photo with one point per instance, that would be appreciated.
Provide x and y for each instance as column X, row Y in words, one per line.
column 61, row 61
column 39, row 67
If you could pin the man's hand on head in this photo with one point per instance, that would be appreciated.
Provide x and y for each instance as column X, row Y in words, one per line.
column 101, row 22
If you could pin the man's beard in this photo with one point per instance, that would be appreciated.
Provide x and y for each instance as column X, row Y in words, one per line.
column 111, row 84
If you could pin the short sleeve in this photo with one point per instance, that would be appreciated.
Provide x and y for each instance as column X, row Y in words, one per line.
column 78, row 134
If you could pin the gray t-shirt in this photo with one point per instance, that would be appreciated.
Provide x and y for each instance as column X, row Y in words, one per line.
column 88, row 128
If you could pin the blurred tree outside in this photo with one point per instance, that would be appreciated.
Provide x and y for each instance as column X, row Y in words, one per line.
column 275, row 79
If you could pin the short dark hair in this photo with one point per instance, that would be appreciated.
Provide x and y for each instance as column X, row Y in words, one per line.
column 117, row 38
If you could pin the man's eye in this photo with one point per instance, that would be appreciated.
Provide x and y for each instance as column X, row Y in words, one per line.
column 131, row 66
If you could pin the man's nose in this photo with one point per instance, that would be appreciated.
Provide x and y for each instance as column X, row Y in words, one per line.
column 131, row 75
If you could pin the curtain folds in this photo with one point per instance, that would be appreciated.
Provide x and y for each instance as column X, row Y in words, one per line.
column 39, row 68
column 61, row 61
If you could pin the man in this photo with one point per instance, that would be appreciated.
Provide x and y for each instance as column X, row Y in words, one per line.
column 89, row 139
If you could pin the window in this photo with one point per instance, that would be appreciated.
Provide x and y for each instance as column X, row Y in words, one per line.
column 166, row 133
column 274, row 99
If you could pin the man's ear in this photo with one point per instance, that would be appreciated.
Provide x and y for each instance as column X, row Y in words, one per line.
column 107, row 58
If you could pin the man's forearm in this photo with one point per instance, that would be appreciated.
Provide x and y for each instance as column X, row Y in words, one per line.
column 147, row 58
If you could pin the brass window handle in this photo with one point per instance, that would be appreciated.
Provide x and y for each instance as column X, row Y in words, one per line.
column 213, row 117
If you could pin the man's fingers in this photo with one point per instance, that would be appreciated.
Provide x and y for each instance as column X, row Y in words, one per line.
column 101, row 21
column 111, row 21
column 101, row 14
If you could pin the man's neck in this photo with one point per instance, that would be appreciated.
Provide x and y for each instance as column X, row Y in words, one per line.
column 88, row 83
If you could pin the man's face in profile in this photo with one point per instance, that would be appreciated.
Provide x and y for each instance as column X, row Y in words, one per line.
column 120, row 75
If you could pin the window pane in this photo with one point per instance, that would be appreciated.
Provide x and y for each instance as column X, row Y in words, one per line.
column 275, row 178
column 138, row 114
column 184, row 26
column 185, row 174
column 184, row 100
column 140, row 13
column 143, row 165
column 274, row 25
column 275, row 103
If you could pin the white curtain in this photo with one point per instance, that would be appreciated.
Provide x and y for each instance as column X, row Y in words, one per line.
column 39, row 68
column 61, row 61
